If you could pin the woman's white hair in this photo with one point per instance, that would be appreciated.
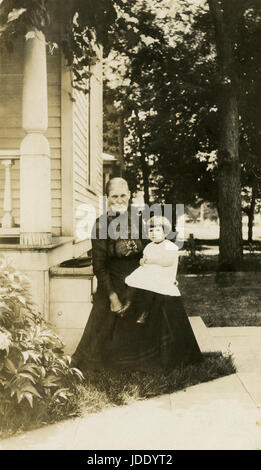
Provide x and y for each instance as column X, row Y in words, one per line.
column 112, row 181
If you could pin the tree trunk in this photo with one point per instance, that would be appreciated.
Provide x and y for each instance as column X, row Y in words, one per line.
column 144, row 165
column 121, row 145
column 229, row 178
column 145, row 177
column 251, row 215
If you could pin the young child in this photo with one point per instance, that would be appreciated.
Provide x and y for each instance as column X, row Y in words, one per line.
column 157, row 273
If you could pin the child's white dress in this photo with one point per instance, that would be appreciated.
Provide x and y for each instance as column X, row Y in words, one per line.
column 153, row 277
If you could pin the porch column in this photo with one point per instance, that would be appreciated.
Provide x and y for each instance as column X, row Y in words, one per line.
column 35, row 171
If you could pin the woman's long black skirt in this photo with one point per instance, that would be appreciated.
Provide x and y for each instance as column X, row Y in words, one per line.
column 164, row 342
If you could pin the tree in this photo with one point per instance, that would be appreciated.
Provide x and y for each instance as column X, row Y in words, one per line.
column 132, row 99
column 162, row 101
column 229, row 183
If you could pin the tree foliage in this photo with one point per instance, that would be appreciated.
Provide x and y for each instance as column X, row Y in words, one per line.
column 170, row 123
column 175, row 86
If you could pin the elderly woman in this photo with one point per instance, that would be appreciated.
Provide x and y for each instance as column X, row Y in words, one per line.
column 112, row 338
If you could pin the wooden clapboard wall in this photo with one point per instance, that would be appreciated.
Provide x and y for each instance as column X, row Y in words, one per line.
column 53, row 135
column 96, row 128
column 81, row 147
column 87, row 139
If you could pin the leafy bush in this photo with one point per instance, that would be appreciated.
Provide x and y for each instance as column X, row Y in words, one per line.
column 33, row 366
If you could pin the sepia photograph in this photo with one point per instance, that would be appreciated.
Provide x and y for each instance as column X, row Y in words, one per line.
column 130, row 228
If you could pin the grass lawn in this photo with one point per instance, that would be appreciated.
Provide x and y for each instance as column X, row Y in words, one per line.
column 233, row 300
column 221, row 305
column 105, row 389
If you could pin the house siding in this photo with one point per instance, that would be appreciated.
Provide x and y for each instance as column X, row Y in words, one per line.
column 53, row 135
column 87, row 143
column 97, row 127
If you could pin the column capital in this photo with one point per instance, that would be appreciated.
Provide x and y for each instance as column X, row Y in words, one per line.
column 7, row 163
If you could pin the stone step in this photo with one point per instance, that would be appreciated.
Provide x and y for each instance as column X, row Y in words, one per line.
column 229, row 331
column 205, row 341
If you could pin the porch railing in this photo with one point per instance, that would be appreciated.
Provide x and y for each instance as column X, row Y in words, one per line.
column 8, row 227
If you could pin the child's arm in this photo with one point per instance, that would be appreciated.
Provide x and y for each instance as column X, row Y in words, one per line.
column 142, row 261
column 166, row 257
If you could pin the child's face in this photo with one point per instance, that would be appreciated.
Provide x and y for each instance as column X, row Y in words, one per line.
column 156, row 233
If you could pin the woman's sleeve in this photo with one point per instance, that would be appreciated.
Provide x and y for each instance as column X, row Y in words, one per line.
column 99, row 260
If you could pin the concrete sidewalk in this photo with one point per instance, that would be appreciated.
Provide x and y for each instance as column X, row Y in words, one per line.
column 222, row 414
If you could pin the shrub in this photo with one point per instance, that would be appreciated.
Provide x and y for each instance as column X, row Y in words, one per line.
column 33, row 366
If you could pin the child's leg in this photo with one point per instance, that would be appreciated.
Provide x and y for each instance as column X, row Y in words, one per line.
column 129, row 294
column 147, row 300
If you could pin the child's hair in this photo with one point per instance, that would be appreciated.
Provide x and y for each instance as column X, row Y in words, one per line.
column 159, row 219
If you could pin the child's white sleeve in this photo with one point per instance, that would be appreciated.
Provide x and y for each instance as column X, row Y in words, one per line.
column 146, row 249
column 170, row 246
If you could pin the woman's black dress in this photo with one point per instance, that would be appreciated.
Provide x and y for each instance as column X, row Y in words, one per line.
column 111, row 342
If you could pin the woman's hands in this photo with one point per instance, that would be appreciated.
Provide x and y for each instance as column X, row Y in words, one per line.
column 115, row 302
column 116, row 305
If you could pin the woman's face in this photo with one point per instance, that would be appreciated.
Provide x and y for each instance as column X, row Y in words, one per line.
column 118, row 198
